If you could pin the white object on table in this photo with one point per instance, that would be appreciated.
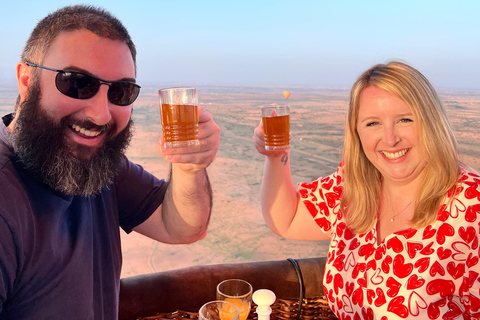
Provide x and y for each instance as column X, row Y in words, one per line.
column 264, row 298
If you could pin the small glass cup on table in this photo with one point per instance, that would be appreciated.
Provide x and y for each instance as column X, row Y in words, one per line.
column 218, row 310
column 239, row 292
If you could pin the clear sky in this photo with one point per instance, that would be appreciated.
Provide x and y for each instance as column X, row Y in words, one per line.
column 277, row 42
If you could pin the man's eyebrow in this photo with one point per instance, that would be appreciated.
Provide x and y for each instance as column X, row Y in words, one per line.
column 77, row 69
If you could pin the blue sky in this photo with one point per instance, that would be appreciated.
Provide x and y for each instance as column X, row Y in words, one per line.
column 318, row 43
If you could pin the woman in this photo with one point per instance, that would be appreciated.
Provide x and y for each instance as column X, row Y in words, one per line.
column 401, row 211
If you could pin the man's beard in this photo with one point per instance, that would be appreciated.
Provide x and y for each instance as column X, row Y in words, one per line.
column 42, row 147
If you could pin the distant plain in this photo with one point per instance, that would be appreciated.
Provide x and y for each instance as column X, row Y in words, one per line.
column 237, row 232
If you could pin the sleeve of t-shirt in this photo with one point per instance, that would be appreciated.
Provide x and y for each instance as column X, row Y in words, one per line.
column 322, row 199
column 139, row 194
column 8, row 261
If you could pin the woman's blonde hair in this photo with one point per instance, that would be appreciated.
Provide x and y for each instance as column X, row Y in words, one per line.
column 438, row 148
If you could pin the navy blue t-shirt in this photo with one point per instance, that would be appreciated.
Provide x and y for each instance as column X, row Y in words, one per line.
column 60, row 256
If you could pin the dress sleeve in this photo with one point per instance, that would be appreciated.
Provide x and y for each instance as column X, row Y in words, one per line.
column 139, row 194
column 469, row 234
column 322, row 198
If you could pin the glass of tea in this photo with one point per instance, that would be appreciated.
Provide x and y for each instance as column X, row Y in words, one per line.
column 179, row 112
column 238, row 292
column 276, row 126
column 218, row 310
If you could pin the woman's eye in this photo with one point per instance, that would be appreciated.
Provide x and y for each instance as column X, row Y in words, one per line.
column 371, row 124
column 406, row 120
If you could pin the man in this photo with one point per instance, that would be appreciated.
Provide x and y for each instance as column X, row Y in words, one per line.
column 66, row 184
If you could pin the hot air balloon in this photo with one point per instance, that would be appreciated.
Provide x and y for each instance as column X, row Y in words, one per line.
column 286, row 94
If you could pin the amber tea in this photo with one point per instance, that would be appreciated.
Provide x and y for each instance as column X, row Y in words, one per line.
column 179, row 114
column 276, row 126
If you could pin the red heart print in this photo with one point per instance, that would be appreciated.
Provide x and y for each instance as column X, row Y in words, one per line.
column 414, row 282
column 427, row 250
column 415, row 303
column 380, row 301
column 396, row 306
column 376, row 278
column 386, row 264
column 393, row 287
column 330, row 296
column 472, row 211
column 369, row 236
column 341, row 246
column 454, row 310
column 472, row 260
column 429, row 232
column 371, row 264
column 349, row 286
column 400, row 268
column 339, row 303
column 367, row 314
column 443, row 253
column 313, row 186
column 362, row 282
column 327, row 183
column 311, row 208
column 412, row 248
column 422, row 264
column 360, row 267
column 445, row 230
column 381, row 250
column 329, row 276
column 456, row 271
column 443, row 214
column 433, row 309
column 349, row 234
column 337, row 282
column 339, row 262
column 441, row 286
column 370, row 295
column 366, row 250
column 437, row 268
column 467, row 234
column 324, row 224
column 395, row 244
column 354, row 244
column 340, row 228
column 331, row 199
column 475, row 243
column 357, row 297
column 407, row 233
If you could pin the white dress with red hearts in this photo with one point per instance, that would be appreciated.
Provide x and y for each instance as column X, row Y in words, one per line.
column 429, row 273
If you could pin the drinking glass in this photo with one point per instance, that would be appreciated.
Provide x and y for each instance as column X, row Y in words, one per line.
column 179, row 112
column 218, row 310
column 276, row 126
column 238, row 292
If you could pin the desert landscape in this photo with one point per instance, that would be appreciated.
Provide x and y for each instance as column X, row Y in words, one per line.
column 237, row 232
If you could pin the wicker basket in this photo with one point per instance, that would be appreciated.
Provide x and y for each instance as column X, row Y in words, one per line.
column 156, row 296
column 282, row 309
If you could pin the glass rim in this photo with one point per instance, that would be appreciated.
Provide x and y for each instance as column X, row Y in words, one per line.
column 177, row 88
column 275, row 106
column 235, row 296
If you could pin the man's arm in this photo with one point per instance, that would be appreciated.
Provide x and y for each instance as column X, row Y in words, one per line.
column 185, row 212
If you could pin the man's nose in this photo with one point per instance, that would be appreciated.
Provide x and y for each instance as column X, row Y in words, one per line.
column 98, row 108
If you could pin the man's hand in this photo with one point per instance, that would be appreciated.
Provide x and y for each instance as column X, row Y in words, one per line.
column 194, row 159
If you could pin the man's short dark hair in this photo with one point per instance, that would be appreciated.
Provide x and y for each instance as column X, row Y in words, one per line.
column 70, row 18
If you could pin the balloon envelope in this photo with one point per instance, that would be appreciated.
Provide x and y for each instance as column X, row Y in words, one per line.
column 286, row 94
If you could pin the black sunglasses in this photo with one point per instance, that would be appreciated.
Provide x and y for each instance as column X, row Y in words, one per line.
column 79, row 85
